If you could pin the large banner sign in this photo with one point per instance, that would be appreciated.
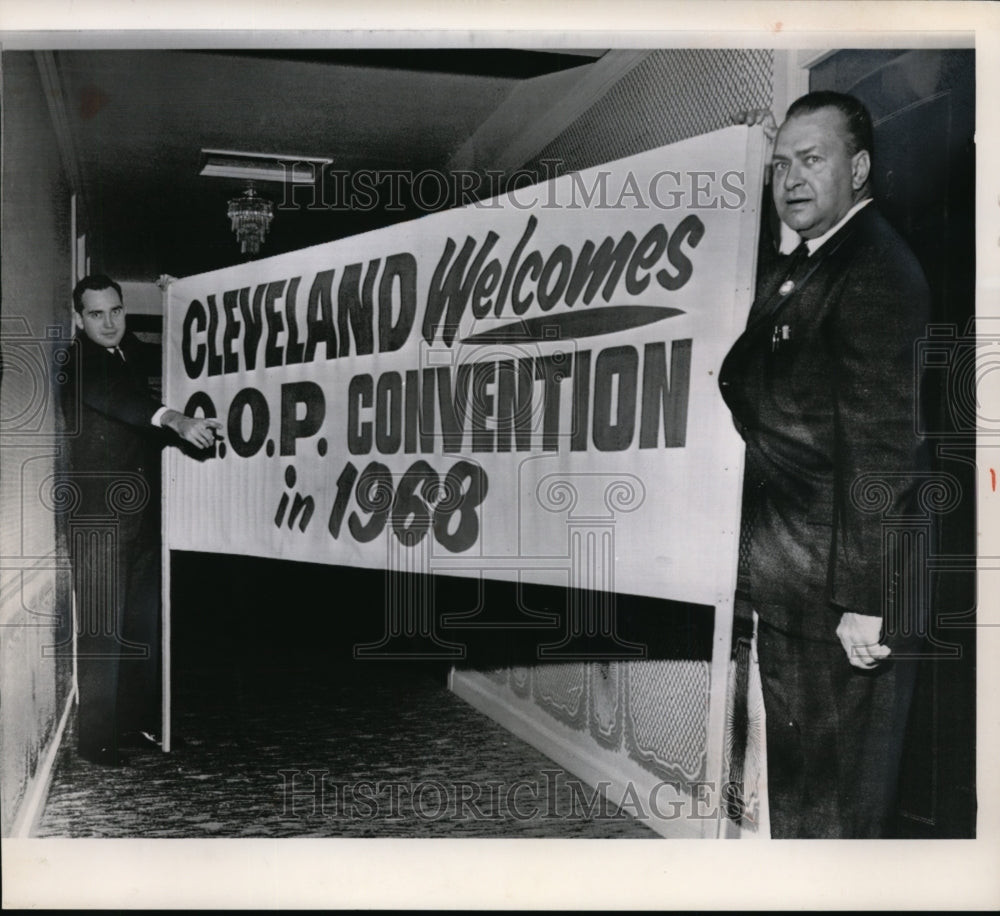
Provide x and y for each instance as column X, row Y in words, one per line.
column 472, row 387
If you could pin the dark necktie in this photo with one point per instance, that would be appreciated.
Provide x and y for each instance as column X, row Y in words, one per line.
column 795, row 261
column 800, row 251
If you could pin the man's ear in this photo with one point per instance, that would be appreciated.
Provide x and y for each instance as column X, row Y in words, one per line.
column 77, row 320
column 861, row 165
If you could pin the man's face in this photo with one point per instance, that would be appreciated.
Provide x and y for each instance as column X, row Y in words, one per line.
column 102, row 318
column 814, row 177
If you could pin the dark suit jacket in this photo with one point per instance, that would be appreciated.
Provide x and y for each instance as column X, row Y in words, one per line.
column 828, row 414
column 114, row 448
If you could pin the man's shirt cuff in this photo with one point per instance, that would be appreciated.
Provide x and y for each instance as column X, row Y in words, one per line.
column 158, row 416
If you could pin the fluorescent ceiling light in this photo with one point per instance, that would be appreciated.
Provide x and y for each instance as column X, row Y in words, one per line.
column 225, row 163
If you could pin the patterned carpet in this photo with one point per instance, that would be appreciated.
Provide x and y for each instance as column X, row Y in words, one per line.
column 370, row 751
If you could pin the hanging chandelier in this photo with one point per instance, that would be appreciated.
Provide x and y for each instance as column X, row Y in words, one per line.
column 250, row 216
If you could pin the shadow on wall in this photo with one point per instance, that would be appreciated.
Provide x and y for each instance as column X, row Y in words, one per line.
column 249, row 611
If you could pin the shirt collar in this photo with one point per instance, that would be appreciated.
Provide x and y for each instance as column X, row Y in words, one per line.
column 790, row 239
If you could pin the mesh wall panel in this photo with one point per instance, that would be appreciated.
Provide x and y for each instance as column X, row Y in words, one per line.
column 670, row 96
column 561, row 690
column 520, row 681
column 666, row 716
column 606, row 703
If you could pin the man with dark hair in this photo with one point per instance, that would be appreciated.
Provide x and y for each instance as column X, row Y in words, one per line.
column 116, row 426
column 822, row 388
column 857, row 122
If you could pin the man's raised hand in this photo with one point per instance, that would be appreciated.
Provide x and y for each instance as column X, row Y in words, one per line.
column 762, row 116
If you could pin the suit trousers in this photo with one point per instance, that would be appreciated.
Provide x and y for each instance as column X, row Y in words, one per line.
column 834, row 737
column 117, row 585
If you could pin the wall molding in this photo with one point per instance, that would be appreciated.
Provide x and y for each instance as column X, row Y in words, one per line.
column 33, row 803
column 791, row 77
column 618, row 777
column 55, row 98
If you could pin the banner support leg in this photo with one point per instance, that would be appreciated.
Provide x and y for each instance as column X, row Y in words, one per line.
column 165, row 616
column 165, row 621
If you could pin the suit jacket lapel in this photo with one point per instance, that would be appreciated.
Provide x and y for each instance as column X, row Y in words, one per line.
column 763, row 312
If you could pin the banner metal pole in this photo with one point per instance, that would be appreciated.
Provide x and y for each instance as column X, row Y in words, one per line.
column 165, row 610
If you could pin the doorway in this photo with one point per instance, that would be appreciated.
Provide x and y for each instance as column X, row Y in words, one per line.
column 923, row 107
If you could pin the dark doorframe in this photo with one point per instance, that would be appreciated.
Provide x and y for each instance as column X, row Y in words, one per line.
column 923, row 106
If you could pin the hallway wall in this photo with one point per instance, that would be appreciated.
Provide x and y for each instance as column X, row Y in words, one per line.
column 35, row 675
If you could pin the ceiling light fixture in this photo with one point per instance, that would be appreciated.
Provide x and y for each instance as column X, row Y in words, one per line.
column 250, row 215
column 226, row 163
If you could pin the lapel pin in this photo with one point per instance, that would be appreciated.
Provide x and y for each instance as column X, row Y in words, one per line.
column 786, row 287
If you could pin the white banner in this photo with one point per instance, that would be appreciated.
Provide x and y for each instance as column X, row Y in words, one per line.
column 523, row 388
